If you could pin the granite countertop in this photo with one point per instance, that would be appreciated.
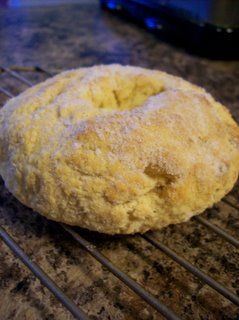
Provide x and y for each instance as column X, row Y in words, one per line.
column 63, row 37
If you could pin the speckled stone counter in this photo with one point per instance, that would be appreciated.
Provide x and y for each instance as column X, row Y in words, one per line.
column 62, row 37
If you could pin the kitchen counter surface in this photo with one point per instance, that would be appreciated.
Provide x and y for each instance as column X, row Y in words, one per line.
column 70, row 36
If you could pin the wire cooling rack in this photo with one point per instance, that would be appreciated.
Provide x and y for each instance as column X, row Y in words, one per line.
column 8, row 92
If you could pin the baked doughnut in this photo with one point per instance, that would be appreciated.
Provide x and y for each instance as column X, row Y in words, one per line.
column 117, row 149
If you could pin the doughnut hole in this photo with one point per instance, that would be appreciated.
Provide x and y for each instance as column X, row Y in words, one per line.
column 123, row 92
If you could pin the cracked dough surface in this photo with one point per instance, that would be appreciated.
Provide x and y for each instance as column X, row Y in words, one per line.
column 118, row 149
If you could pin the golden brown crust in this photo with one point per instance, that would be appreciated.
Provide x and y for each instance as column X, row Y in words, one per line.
column 118, row 149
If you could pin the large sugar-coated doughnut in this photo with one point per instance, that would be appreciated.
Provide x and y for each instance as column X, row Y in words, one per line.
column 118, row 149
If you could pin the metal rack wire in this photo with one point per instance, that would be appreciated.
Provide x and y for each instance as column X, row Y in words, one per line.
column 93, row 251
